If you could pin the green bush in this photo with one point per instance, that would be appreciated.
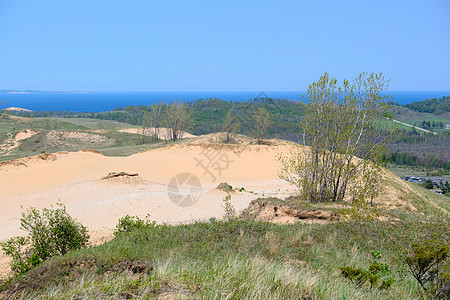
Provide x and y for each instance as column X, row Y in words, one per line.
column 50, row 233
column 427, row 263
column 372, row 274
column 131, row 223
column 428, row 184
column 230, row 210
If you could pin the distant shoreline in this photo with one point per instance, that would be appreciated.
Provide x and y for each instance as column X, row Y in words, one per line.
column 107, row 101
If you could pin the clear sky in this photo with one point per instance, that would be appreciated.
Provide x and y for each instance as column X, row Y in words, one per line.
column 188, row 45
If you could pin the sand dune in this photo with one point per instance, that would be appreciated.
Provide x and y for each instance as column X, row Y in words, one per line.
column 75, row 180
column 174, row 184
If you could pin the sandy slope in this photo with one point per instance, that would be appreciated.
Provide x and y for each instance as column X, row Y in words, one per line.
column 73, row 179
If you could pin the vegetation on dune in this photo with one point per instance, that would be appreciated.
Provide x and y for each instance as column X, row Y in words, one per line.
column 244, row 259
column 338, row 126
column 50, row 233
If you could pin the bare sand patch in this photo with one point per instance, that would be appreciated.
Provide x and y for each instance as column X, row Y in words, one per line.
column 13, row 142
column 17, row 109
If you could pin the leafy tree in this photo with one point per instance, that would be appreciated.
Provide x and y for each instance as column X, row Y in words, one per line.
column 177, row 120
column 428, row 184
column 155, row 120
column 146, row 123
column 262, row 121
column 231, row 126
column 340, row 125
column 426, row 263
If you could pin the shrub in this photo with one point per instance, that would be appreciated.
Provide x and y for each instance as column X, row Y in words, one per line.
column 230, row 211
column 50, row 233
column 372, row 274
column 131, row 223
column 426, row 262
column 225, row 187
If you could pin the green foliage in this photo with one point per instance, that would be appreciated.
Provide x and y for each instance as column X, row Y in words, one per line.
column 21, row 259
column 340, row 124
column 262, row 122
column 428, row 184
column 231, row 126
column 240, row 259
column 230, row 210
column 50, row 233
column 427, row 263
column 435, row 105
column 177, row 119
column 371, row 275
column 445, row 187
column 129, row 223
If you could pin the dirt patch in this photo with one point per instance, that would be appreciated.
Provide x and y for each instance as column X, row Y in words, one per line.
column 25, row 161
column 74, row 138
column 283, row 214
column 91, row 151
column 123, row 178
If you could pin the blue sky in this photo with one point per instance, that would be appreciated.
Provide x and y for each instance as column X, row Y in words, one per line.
column 119, row 45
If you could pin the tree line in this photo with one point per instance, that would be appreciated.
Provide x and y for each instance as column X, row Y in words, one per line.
column 436, row 106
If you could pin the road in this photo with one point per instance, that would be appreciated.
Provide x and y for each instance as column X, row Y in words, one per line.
column 418, row 128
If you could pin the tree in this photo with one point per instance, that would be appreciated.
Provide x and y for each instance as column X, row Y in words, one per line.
column 428, row 184
column 146, row 123
column 230, row 126
column 155, row 118
column 177, row 120
column 262, row 122
column 426, row 263
column 346, row 148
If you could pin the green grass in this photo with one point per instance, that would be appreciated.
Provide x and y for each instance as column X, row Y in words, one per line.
column 417, row 120
column 115, row 143
column 97, row 124
column 240, row 259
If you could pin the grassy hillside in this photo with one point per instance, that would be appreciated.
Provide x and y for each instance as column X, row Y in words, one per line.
column 246, row 259
column 64, row 134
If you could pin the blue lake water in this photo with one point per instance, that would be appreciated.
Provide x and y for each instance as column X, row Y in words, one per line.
column 105, row 101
